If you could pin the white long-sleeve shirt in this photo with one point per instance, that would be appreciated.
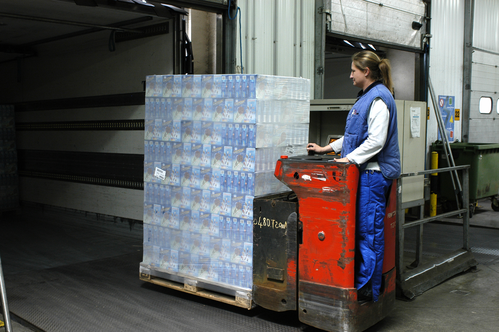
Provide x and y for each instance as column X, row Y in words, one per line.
column 377, row 134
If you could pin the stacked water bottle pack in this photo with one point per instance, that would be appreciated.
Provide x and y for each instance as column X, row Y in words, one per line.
column 211, row 144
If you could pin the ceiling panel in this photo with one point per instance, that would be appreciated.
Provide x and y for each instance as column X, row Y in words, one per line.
column 25, row 24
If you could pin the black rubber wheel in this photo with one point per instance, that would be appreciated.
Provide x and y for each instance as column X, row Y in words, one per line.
column 495, row 204
column 472, row 210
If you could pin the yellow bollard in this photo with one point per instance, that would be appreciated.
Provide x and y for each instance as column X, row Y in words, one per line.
column 433, row 184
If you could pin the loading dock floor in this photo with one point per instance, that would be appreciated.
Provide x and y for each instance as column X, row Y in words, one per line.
column 66, row 271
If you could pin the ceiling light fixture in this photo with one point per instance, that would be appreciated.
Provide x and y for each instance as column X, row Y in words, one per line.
column 348, row 43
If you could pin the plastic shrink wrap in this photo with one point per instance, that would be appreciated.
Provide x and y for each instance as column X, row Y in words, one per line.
column 211, row 144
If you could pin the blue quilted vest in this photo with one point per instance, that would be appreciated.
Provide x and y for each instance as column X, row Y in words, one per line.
column 356, row 130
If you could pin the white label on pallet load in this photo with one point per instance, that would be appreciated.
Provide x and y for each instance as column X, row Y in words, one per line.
column 159, row 173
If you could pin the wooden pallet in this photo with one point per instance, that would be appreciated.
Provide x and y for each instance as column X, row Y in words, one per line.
column 190, row 286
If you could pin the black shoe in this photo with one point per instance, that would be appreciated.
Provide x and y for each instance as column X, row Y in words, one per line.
column 365, row 294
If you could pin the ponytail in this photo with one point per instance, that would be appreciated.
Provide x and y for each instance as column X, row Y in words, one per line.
column 385, row 70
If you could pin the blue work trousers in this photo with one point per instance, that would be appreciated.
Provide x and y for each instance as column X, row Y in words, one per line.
column 370, row 240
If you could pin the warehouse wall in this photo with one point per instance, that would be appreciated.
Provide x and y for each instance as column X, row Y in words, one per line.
column 486, row 25
column 446, row 59
column 446, row 65
column 83, row 70
column 277, row 38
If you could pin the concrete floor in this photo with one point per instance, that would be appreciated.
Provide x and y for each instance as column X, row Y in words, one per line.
column 45, row 251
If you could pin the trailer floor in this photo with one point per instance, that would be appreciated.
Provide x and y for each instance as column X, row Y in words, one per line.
column 65, row 271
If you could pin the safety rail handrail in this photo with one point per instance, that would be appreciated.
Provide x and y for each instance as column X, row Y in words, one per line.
column 3, row 301
column 438, row 170
column 437, row 217
column 425, row 276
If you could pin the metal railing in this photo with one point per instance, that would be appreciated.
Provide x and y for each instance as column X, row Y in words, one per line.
column 5, row 307
column 421, row 277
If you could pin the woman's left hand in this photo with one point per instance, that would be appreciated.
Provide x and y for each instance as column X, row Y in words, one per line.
column 342, row 160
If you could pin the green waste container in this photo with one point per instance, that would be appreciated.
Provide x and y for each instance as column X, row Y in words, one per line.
column 483, row 159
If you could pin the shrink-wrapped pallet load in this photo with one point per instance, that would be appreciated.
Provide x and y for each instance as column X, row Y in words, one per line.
column 211, row 144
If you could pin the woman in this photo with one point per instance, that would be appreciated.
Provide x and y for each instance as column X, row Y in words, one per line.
column 370, row 142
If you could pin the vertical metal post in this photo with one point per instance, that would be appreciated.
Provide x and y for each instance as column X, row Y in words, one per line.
column 219, row 48
column 5, row 306
column 466, row 220
column 420, row 236
column 177, row 45
column 181, row 36
column 399, row 245
column 467, row 67
column 419, row 244
column 320, row 48
column 230, row 40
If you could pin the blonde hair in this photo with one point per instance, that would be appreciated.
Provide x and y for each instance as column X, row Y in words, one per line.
column 380, row 69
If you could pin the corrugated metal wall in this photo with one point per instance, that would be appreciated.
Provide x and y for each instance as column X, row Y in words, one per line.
column 485, row 34
column 446, row 58
column 277, row 37
column 446, row 64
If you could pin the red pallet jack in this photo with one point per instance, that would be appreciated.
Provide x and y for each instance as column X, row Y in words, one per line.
column 304, row 246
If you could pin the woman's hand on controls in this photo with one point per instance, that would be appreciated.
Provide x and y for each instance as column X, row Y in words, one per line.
column 315, row 148
column 342, row 160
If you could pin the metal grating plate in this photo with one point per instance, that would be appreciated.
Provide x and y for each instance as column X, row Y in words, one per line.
column 107, row 295
column 65, row 272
